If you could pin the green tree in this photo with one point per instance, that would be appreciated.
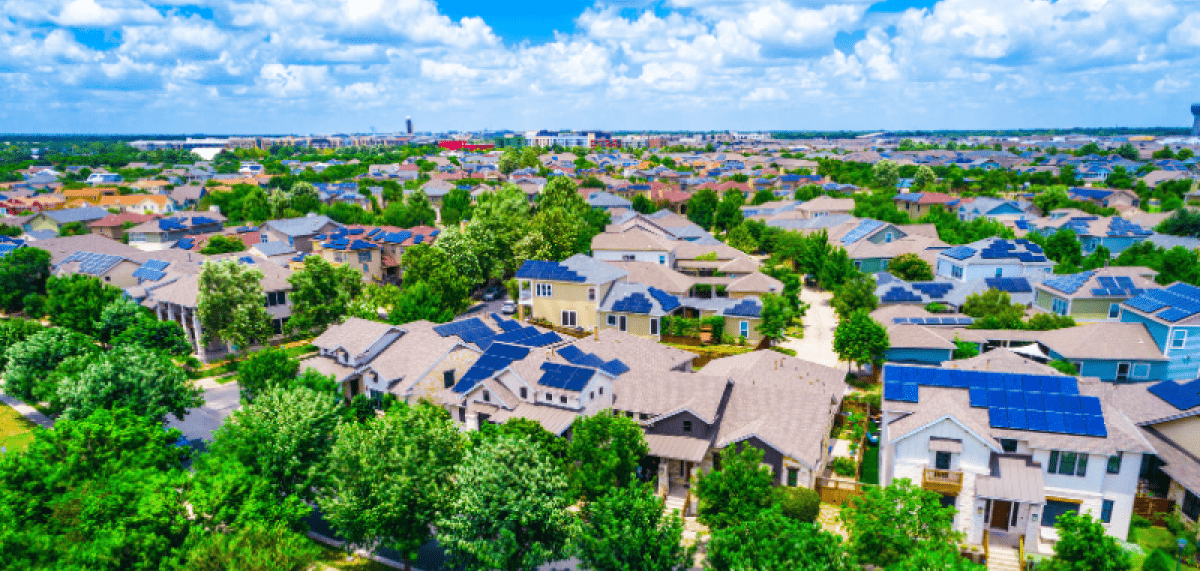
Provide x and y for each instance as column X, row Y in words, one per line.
column 253, row 547
column 418, row 211
column 740, row 237
column 165, row 337
column 729, row 210
column 643, row 204
column 322, row 293
column 456, row 206
column 736, row 493
column 605, row 451
column 1084, row 544
column 770, row 541
column 77, row 301
column 391, row 476
column 702, row 207
column 305, row 198
column 910, row 267
column 1052, row 198
column 996, row 308
column 965, row 349
column 860, row 339
column 266, row 369
column 928, row 556
column 836, row 269
column 800, row 504
column 1064, row 248
column 886, row 175
column 128, row 377
column 256, row 207
column 509, row 161
column 500, row 220
column 230, row 304
column 855, row 294
column 510, row 512
column 776, row 315
column 446, row 289
column 116, row 317
column 887, row 524
column 32, row 361
column 762, row 196
column 13, row 331
column 924, row 178
column 220, row 244
column 627, row 530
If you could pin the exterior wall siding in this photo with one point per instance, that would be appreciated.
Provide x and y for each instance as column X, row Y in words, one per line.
column 1045, row 300
column 1185, row 432
column 568, row 297
column 913, row 355
column 673, row 426
column 733, row 325
column 653, row 256
column 635, row 324
column 1091, row 309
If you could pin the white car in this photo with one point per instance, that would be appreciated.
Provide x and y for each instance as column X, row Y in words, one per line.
column 508, row 308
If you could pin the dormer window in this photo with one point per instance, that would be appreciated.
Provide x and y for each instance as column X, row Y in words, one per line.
column 687, row 426
column 524, row 392
column 487, row 397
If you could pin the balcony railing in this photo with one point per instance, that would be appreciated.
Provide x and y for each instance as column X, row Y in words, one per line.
column 943, row 481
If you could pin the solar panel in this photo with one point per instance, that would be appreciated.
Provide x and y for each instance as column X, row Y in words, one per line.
column 1173, row 314
column 995, row 399
column 1125, row 282
column 1094, row 426
column 1055, row 422
column 1182, row 396
column 959, row 252
column 156, row 265
column 979, row 397
column 1016, row 419
column 1035, row 420
column 998, row 417
column 666, row 300
column 910, row 392
column 746, row 308
column 144, row 273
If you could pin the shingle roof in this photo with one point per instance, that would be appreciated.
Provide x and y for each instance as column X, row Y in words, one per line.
column 301, row 226
column 85, row 214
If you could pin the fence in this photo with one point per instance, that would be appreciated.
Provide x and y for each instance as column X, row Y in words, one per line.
column 838, row 492
column 681, row 340
column 1153, row 509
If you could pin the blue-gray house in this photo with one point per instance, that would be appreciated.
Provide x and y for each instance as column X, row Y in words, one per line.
column 1172, row 316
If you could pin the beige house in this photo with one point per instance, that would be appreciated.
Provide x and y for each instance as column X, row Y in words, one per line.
column 567, row 293
column 1172, row 425
column 1094, row 295
column 140, row 203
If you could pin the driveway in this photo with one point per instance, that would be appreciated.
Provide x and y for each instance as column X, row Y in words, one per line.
column 819, row 323
column 199, row 424
column 483, row 309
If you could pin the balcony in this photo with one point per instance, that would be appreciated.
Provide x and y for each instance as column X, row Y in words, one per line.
column 948, row 482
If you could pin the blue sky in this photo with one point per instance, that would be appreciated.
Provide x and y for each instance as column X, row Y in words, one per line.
column 314, row 66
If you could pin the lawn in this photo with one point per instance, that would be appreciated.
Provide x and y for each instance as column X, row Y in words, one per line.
column 870, row 464
column 15, row 431
column 336, row 558
column 1151, row 538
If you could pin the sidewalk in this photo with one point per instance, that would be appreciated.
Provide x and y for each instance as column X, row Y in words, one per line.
column 819, row 324
column 33, row 414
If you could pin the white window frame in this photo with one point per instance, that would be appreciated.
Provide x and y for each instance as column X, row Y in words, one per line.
column 542, row 289
column 612, row 320
column 573, row 320
column 744, row 329
column 956, row 271
column 1177, row 340
column 1140, row 371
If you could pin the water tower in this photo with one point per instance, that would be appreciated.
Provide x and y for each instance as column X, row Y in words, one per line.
column 1196, row 125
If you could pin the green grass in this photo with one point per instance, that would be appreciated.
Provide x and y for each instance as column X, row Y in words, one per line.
column 870, row 464
column 336, row 558
column 16, row 432
column 1151, row 538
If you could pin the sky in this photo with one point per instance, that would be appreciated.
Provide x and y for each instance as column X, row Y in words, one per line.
column 324, row 66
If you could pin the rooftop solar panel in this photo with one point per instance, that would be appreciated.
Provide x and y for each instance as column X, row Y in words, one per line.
column 1182, row 396
column 979, row 397
column 1035, row 420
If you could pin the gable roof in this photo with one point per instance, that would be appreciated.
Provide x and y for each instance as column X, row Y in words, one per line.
column 301, row 226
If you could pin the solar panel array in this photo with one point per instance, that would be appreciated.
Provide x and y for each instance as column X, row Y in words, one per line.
column 1040, row 403
column 666, row 300
column 633, row 303
column 8, row 247
column 858, row 233
column 474, row 330
column 93, row 264
column 566, row 377
column 1121, row 227
column 543, row 270
column 506, row 324
column 1182, row 396
column 186, row 243
column 960, row 252
column 900, row 295
column 745, row 308
column 933, row 320
column 577, row 356
column 469, row 330
column 935, row 290
column 246, row 260
column 1176, row 302
column 395, row 237
column 1004, row 249
column 1070, row 283
column 1013, row 285
column 497, row 357
column 1113, row 287
column 169, row 224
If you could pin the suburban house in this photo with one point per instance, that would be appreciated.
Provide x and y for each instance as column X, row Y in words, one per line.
column 54, row 220
column 1114, row 233
column 1121, row 199
column 173, row 231
column 825, row 206
column 1011, row 452
column 990, row 208
column 994, row 258
column 918, row 204
column 110, row 269
column 1169, row 415
column 113, row 225
column 567, row 293
column 375, row 250
column 636, row 308
column 297, row 232
column 1172, row 317
column 1110, row 351
column 139, row 203
column 1094, row 295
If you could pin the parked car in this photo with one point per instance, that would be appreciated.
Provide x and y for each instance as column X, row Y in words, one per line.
column 493, row 293
column 508, row 308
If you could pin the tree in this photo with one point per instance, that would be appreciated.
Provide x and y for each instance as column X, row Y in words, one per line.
column 605, row 451
column 305, row 198
column 855, row 294
column 741, row 238
column 886, row 175
column 509, row 161
column 886, row 524
column 702, row 207
column 456, row 206
column 943, row 557
column 510, row 510
column 1083, row 544
column 256, row 206
column 965, row 349
column 230, row 304
column 322, row 293
column 116, row 317
column 129, row 377
column 499, row 221
column 771, row 541
column 446, row 290
column 736, row 493
column 23, row 272
column 924, row 178
column 13, row 331
column 390, row 476
column 627, row 530
column 800, row 504
column 995, row 306
column 220, row 244
column 729, row 210
column 253, row 547
column 165, row 337
column 1052, row 198
column 910, row 268
column 643, row 204
column 836, row 269
column 77, row 301
column 266, row 369
column 860, row 339
column 776, row 315
column 1064, row 248
column 417, row 211
column 762, row 196
column 31, row 362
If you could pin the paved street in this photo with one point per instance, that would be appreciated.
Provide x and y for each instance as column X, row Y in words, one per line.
column 200, row 423
column 819, row 323
column 483, row 309
column 33, row 414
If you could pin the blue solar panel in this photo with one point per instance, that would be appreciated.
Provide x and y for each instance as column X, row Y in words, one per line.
column 540, row 269
column 1173, row 314
column 892, row 390
column 144, row 273
column 1055, row 422
column 1125, row 283
column 746, row 308
column 1070, row 404
column 1052, row 402
column 1035, row 420
column 1095, row 426
column 1090, row 406
column 996, row 399
column 1016, row 419
column 998, row 417
column 567, row 377
column 1068, row 386
column 1182, row 396
column 666, row 300
column 616, row 368
column 156, row 265
column 1075, row 423
column 1014, row 399
column 547, row 338
column 1107, row 282
column 1035, row 401
column 960, row 252
column 633, row 303
column 979, row 397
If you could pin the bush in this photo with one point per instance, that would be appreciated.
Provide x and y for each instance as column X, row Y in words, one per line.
column 35, row 305
column 1159, row 560
column 1063, row 367
column 1136, row 521
column 843, row 466
column 936, row 307
column 784, row 350
column 800, row 504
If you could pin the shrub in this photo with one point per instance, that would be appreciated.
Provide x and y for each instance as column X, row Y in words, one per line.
column 800, row 504
column 843, row 466
column 1159, row 560
column 35, row 305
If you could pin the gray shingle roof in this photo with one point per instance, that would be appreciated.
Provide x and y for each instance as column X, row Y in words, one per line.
column 85, row 214
column 302, row 226
column 592, row 270
column 274, row 248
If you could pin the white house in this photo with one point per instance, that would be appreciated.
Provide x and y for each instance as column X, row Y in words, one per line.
column 994, row 258
column 1011, row 452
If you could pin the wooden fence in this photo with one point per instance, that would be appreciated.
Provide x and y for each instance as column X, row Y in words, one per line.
column 838, row 492
column 1153, row 509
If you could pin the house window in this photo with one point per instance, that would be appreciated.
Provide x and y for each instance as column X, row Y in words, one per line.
column 563, row 399
column 276, row 298
column 592, row 395
column 549, row 397
column 1178, row 338
column 544, row 290
column 1114, row 464
column 1122, row 371
column 644, row 416
column 277, row 325
column 487, row 397
column 1106, row 510
column 1008, row 445
column 654, row 326
column 1055, row 509
column 524, row 392
column 628, row 257
column 999, row 272
column 858, row 264
column 601, row 390
column 744, row 328
column 364, row 257
column 1191, row 505
column 462, row 414
column 942, row 461
column 1141, row 370
column 956, row 271
column 1114, row 310
column 622, row 323
column 887, row 238
column 687, row 426
column 1067, row 463
column 448, row 378
column 1060, row 306
column 291, row 241
column 591, row 294
column 662, row 260
column 612, row 320
column 568, row 318
column 793, row 476
column 366, row 269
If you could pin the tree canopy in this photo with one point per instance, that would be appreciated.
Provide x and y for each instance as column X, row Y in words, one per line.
column 627, row 530
column 771, row 541
column 605, row 450
column 231, row 304
column 23, row 272
column 738, row 491
column 860, row 339
column 322, row 293
column 888, row 524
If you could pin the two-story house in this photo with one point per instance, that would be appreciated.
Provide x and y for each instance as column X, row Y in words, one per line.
column 1094, row 295
column 297, row 232
column 1172, row 317
column 994, row 258
column 566, row 293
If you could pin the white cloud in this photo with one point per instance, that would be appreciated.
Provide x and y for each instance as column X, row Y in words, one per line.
column 85, row 13
column 765, row 94
column 293, row 80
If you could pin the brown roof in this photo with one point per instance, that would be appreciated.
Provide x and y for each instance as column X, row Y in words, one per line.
column 677, row 447
column 119, row 219
column 756, row 282
column 633, row 239
column 827, row 204
column 662, row 394
column 660, row 276
column 916, row 337
column 1106, row 340
column 414, row 353
column 354, row 335
column 327, row 367
column 554, row 419
column 639, row 353
column 1001, row 359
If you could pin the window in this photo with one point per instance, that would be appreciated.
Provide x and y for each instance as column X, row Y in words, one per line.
column 601, row 390
column 1008, row 445
column 1114, row 310
column 462, row 415
column 1114, row 464
column 448, row 378
column 591, row 294
column 793, row 476
column 524, row 392
column 592, row 395
column 1122, row 371
column 366, row 269
column 1191, row 505
column 563, row 399
column 628, row 257
column 687, row 426
column 549, row 397
column 887, row 238
column 1055, row 509
column 662, row 260
column 487, row 397
column 1106, row 509
column 1060, row 306
column 654, row 326
column 612, row 320
column 277, row 325
column 942, row 461
column 999, row 272
column 1078, row 366
column 568, row 318
column 291, row 241
column 1067, row 463
column 744, row 328
column 956, row 271
column 1141, row 371
column 544, row 290
column 1178, row 338
column 364, row 257
column 858, row 264
column 644, row 416
column 276, row 298
column 622, row 323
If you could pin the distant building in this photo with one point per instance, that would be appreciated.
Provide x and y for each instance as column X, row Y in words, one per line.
column 408, row 124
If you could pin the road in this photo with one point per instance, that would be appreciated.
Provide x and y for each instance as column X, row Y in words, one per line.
column 483, row 309
column 199, row 424
column 819, row 324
